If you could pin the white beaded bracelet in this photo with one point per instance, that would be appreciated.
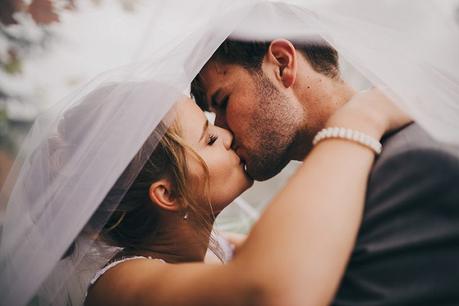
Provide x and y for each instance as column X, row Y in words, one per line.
column 348, row 134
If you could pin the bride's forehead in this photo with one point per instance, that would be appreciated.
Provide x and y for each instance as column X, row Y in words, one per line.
column 188, row 113
column 187, row 107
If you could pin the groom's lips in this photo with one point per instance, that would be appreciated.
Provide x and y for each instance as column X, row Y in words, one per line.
column 243, row 162
column 245, row 168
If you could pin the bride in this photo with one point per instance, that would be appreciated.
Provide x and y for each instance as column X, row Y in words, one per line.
column 175, row 186
column 163, row 223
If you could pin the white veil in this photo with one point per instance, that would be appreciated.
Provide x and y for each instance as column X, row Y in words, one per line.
column 78, row 149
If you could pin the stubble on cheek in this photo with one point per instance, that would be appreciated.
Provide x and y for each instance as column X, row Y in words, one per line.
column 273, row 128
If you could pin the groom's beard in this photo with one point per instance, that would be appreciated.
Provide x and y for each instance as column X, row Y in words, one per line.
column 272, row 130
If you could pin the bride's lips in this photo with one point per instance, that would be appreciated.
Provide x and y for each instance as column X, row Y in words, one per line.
column 242, row 162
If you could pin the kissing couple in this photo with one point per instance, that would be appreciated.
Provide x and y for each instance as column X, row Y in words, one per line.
column 369, row 217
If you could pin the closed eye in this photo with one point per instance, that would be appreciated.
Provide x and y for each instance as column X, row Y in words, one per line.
column 212, row 139
column 223, row 103
column 220, row 105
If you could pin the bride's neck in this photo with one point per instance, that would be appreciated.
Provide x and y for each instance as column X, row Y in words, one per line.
column 177, row 240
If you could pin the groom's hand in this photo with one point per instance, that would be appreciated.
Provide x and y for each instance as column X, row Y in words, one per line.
column 370, row 109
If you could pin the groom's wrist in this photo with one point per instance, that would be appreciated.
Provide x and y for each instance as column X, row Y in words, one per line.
column 350, row 135
column 367, row 122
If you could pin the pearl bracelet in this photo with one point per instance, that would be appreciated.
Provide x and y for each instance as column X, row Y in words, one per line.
column 348, row 134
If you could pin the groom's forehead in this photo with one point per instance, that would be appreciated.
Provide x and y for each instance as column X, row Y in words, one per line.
column 212, row 78
column 215, row 76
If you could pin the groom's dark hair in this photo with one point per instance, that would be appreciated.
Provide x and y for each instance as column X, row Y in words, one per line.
column 249, row 54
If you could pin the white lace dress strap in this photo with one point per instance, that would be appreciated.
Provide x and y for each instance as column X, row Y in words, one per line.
column 115, row 263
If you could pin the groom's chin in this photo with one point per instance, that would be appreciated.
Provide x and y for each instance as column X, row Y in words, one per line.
column 264, row 172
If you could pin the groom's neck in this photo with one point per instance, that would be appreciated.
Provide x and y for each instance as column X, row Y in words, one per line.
column 319, row 103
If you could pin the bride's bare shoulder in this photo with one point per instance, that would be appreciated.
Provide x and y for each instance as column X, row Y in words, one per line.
column 121, row 282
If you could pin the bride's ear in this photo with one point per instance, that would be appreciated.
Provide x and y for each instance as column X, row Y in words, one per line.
column 283, row 58
column 161, row 193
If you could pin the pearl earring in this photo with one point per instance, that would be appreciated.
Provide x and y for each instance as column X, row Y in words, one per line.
column 185, row 217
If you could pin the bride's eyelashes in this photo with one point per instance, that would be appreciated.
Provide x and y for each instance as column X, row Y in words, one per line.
column 212, row 139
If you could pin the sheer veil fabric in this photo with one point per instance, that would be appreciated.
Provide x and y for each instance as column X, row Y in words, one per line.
column 79, row 148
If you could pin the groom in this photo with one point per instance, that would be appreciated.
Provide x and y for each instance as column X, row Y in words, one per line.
column 274, row 97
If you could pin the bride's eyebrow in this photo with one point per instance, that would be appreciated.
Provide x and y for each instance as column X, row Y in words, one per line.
column 204, row 128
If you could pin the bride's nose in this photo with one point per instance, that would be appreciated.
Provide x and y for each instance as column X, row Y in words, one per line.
column 227, row 137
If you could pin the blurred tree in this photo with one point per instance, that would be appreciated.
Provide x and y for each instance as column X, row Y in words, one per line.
column 42, row 12
column 15, row 46
column 18, row 43
column 7, row 148
column 26, row 31
column 7, row 9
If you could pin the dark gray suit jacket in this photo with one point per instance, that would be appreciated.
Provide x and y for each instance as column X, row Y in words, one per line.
column 407, row 250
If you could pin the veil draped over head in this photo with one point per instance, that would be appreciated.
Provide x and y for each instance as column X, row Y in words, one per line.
column 78, row 149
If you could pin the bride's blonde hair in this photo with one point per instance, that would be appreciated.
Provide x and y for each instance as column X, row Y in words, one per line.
column 136, row 218
column 126, row 216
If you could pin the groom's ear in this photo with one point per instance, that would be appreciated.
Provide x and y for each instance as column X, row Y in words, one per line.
column 161, row 193
column 282, row 57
